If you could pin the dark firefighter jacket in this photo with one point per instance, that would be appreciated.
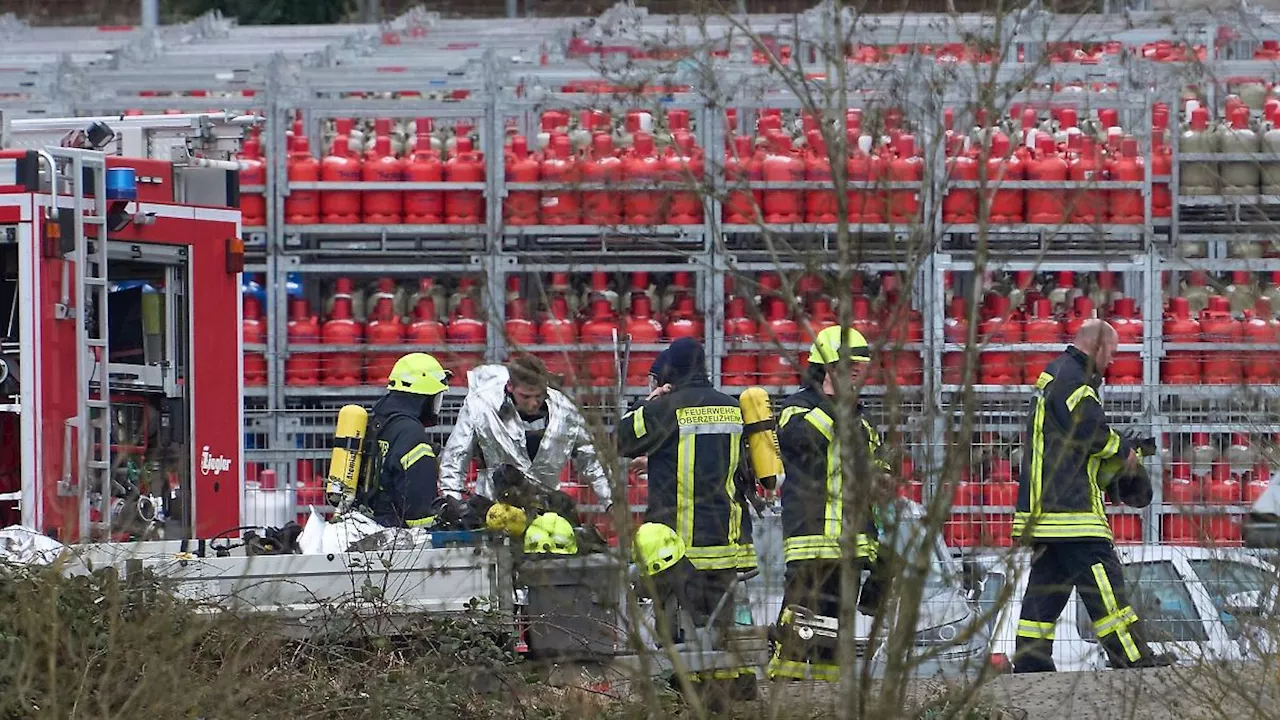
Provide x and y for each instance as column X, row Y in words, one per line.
column 404, row 475
column 813, row 491
column 1059, row 497
column 693, row 438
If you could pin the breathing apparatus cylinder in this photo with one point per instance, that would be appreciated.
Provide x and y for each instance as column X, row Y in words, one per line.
column 348, row 454
column 762, row 436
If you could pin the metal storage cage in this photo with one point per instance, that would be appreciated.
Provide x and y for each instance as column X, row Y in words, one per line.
column 492, row 80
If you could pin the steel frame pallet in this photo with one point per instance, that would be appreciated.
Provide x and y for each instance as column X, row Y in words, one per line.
column 513, row 70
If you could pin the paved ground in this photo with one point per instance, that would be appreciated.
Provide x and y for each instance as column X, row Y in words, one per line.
column 1225, row 693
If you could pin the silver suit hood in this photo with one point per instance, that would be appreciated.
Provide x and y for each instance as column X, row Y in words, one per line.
column 489, row 422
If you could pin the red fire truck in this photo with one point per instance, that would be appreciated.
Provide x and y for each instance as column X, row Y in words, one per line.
column 120, row 356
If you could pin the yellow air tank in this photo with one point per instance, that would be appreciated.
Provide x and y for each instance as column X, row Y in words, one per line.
column 762, row 436
column 344, row 463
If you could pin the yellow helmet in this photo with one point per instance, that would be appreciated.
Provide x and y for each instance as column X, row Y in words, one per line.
column 550, row 534
column 506, row 518
column 657, row 547
column 418, row 374
column 826, row 347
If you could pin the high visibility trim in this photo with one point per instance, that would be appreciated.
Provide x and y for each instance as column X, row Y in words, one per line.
column 1117, row 620
column 1035, row 630
column 1082, row 392
column 1060, row 526
column 819, row 418
column 822, row 547
column 637, row 423
column 791, row 669
column 731, row 487
column 716, row 557
column 418, row 452
column 790, row 412
column 684, row 488
column 746, row 557
column 711, row 429
column 834, row 513
column 420, row 522
column 1043, row 381
column 1037, row 455
column 709, row 415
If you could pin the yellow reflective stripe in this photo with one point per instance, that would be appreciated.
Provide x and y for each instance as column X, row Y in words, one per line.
column 718, row 557
column 802, row 671
column 1115, row 621
column 684, row 488
column 418, row 452
column 1082, row 392
column 835, row 491
column 420, row 522
column 637, row 423
column 821, row 547
column 1037, row 456
column 1060, row 525
column 819, row 418
column 731, row 488
column 1043, row 381
column 1112, row 607
column 790, row 412
column 1111, row 448
column 1035, row 630
column 746, row 557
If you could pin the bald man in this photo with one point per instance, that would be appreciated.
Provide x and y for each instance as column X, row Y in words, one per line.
column 1060, row 511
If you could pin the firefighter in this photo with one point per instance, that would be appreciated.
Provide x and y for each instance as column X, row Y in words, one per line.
column 515, row 418
column 813, row 504
column 1060, row 509
column 402, row 464
column 692, row 436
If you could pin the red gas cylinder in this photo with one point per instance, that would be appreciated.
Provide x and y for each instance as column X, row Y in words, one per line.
column 1002, row 166
column 738, row 367
column 780, row 164
column 1048, row 165
column 821, row 317
column 1218, row 326
column 1223, row 488
column 778, row 368
column 961, row 530
column 253, row 171
column 960, row 205
column 558, row 329
column 255, row 363
column 384, row 207
column 1179, row 488
column 464, row 207
column 955, row 329
column 1000, row 488
column 520, row 330
column 521, row 207
column 1126, row 368
column 302, row 368
column 684, row 321
column 342, row 367
column 384, row 328
column 340, row 207
column 603, row 167
column 564, row 206
column 425, row 328
column 1181, row 367
column 465, row 329
column 999, row 326
column 1087, row 206
column 424, row 207
column 1126, row 205
column 820, row 206
column 904, row 205
column 1257, row 482
column 741, row 166
column 1161, row 167
column 1259, row 329
column 685, row 169
column 644, row 329
column 865, row 205
column 1081, row 310
column 599, row 329
column 302, row 207
column 641, row 166
column 1126, row 528
column 1041, row 327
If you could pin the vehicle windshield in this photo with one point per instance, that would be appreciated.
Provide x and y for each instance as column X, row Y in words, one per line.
column 1226, row 579
column 1161, row 598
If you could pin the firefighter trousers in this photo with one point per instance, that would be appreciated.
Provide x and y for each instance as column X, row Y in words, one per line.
column 815, row 586
column 1091, row 568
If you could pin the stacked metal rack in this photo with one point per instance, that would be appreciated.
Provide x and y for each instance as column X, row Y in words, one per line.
column 493, row 77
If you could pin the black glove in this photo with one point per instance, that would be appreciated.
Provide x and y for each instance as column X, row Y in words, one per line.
column 1145, row 445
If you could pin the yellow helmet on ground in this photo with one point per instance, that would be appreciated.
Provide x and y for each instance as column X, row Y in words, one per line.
column 506, row 518
column 550, row 534
column 826, row 347
column 657, row 547
column 418, row 374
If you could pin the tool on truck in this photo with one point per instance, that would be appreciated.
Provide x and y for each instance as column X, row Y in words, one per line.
column 118, row 237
